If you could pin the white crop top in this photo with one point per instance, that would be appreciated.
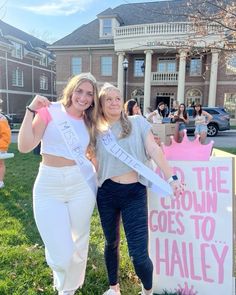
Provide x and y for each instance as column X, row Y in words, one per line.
column 52, row 142
column 200, row 119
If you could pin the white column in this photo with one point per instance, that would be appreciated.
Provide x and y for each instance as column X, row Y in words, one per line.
column 181, row 76
column 213, row 78
column 120, row 74
column 147, row 80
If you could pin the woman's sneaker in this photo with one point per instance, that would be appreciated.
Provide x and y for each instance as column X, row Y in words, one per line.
column 145, row 293
column 66, row 292
column 112, row 292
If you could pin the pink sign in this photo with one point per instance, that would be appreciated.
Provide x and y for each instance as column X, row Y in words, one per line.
column 191, row 235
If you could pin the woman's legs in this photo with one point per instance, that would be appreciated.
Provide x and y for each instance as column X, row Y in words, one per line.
column 135, row 220
column 63, row 205
column 131, row 199
column 181, row 135
column 110, row 220
column 2, row 172
column 203, row 136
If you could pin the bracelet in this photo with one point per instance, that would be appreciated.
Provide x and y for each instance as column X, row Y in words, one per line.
column 29, row 109
column 172, row 178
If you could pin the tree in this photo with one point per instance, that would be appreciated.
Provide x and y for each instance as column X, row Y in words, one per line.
column 215, row 17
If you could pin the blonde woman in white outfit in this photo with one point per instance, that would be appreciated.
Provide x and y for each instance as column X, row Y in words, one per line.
column 63, row 195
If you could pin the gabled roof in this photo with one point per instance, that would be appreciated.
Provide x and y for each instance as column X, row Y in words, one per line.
column 31, row 41
column 84, row 35
column 127, row 14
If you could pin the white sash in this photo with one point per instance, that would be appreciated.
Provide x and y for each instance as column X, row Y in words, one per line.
column 159, row 185
column 58, row 114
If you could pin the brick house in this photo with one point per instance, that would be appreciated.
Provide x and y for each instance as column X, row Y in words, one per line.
column 153, row 47
column 27, row 68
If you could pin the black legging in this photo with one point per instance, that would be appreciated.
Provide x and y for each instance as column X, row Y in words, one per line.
column 129, row 201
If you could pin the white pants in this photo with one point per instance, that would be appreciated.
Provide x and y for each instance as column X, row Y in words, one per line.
column 63, row 204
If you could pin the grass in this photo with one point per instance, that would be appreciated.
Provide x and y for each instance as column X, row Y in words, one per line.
column 229, row 150
column 23, row 270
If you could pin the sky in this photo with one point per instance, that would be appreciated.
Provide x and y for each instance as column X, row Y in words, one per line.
column 51, row 20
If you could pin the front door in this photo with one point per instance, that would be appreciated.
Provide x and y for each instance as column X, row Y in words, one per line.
column 165, row 99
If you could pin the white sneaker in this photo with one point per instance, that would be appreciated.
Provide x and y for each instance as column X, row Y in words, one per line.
column 1, row 184
column 5, row 155
column 66, row 292
column 112, row 292
column 144, row 293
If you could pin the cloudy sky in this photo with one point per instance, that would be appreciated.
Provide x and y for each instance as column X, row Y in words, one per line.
column 51, row 20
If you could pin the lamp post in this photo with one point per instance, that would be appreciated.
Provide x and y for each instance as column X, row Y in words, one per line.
column 125, row 67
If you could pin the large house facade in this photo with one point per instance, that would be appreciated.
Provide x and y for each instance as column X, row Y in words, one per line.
column 27, row 68
column 146, row 52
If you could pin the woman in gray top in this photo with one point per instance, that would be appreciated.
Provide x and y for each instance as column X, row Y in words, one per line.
column 122, row 191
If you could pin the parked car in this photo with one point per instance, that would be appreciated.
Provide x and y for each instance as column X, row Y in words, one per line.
column 219, row 122
column 16, row 118
column 8, row 119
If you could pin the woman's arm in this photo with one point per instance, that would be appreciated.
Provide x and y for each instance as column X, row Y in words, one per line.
column 185, row 120
column 32, row 128
column 155, row 152
column 209, row 116
column 152, row 114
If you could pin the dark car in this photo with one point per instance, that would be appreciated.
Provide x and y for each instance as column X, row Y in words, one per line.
column 9, row 119
column 219, row 122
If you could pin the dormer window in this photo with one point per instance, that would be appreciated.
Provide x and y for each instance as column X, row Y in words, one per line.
column 17, row 51
column 107, row 27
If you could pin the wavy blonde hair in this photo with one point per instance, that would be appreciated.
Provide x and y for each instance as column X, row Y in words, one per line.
column 89, row 118
column 102, row 123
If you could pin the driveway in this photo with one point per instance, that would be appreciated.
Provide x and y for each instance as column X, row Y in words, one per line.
column 223, row 139
column 226, row 139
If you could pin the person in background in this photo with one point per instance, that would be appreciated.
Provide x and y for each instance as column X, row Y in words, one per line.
column 122, row 191
column 132, row 108
column 180, row 117
column 157, row 115
column 175, row 107
column 64, row 194
column 5, row 140
column 166, row 110
column 148, row 112
column 202, row 119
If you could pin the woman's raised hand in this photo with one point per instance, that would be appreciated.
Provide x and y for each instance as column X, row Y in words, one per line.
column 177, row 187
column 39, row 102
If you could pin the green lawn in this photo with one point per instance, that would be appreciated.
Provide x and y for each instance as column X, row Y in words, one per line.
column 23, row 270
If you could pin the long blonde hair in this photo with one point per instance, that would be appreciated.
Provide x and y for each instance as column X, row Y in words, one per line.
column 89, row 118
column 102, row 123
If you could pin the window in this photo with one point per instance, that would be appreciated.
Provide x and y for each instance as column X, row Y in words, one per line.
column 76, row 65
column 106, row 66
column 43, row 82
column 231, row 65
column 138, row 67
column 43, row 60
column 17, row 78
column 17, row 50
column 195, row 67
column 193, row 96
column 230, row 104
column 107, row 27
column 166, row 65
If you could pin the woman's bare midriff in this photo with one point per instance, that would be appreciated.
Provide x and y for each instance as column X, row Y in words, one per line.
column 130, row 177
column 55, row 161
